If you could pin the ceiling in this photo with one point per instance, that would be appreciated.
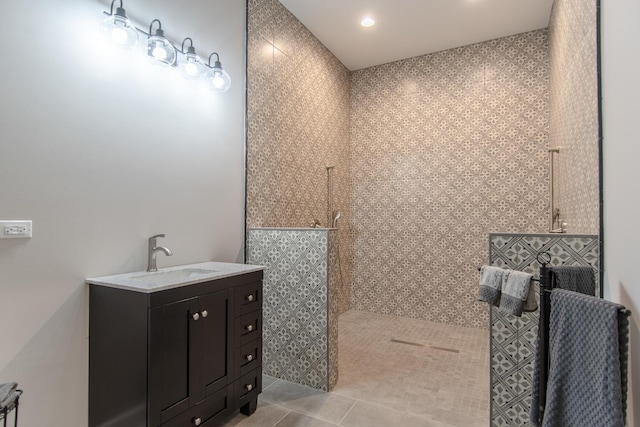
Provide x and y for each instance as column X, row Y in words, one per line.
column 408, row 28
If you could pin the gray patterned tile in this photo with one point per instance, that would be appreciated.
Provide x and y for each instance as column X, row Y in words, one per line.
column 573, row 111
column 513, row 339
column 300, row 303
column 431, row 154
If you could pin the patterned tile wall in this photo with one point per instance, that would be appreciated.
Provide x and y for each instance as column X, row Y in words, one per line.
column 445, row 148
column 573, row 109
column 300, row 306
column 297, row 124
column 513, row 339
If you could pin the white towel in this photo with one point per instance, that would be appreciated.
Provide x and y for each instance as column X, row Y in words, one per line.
column 515, row 291
column 491, row 279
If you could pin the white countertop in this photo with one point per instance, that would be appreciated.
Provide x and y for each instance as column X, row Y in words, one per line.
column 163, row 279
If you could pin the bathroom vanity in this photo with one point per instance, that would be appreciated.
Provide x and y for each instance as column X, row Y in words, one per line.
column 178, row 347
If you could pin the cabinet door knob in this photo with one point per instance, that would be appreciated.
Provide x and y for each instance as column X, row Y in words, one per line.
column 205, row 313
column 249, row 328
column 249, row 297
column 248, row 387
column 197, row 421
column 195, row 316
column 249, row 357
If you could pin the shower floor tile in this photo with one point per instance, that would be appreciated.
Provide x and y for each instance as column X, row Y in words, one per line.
column 393, row 371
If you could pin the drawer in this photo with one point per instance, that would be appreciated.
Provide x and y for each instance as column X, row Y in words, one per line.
column 248, row 298
column 248, row 328
column 211, row 411
column 249, row 386
column 248, row 357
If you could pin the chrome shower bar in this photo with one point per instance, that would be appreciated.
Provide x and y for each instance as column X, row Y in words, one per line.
column 554, row 212
column 330, row 192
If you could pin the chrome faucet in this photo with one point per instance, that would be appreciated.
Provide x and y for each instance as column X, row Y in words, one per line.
column 153, row 251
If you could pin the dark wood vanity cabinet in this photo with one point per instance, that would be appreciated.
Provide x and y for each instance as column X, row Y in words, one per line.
column 190, row 355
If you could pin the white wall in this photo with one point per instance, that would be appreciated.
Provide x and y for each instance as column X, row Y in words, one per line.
column 101, row 151
column 621, row 92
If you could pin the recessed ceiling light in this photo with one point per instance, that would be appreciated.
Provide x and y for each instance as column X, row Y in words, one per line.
column 367, row 22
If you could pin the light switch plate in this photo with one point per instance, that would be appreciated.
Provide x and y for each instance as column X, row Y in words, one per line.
column 16, row 229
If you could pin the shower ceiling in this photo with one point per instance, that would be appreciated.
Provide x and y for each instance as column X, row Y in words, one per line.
column 408, row 28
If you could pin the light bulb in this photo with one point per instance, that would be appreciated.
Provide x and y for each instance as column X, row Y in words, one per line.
column 368, row 21
column 191, row 69
column 217, row 81
column 159, row 53
column 119, row 35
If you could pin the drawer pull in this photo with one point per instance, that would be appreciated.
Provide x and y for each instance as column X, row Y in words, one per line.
column 248, row 387
column 195, row 316
column 197, row 421
column 249, row 357
column 249, row 297
column 205, row 313
column 249, row 328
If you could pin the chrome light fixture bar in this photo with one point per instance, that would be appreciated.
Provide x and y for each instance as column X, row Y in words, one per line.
column 117, row 30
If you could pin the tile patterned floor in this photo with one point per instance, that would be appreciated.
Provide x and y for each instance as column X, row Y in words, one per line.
column 394, row 372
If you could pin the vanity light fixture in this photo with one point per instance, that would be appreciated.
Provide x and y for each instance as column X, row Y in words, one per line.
column 157, row 48
column 189, row 64
column 117, row 29
column 218, row 79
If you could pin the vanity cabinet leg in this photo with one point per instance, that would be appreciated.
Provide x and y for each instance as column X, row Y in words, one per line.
column 249, row 407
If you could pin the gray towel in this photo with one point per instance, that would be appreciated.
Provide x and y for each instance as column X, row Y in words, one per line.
column 490, row 284
column 531, row 304
column 8, row 395
column 588, row 352
column 515, row 290
column 577, row 278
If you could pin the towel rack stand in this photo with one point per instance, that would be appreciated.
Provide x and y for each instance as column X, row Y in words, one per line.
column 546, row 287
column 533, row 278
column 543, row 335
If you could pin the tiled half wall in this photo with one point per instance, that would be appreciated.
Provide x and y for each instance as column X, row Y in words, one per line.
column 513, row 339
column 445, row 148
column 300, row 303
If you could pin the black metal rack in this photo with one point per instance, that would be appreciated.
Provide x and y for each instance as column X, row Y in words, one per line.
column 546, row 286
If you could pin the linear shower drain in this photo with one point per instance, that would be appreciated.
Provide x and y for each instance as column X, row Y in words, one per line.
column 417, row 344
column 407, row 342
column 452, row 350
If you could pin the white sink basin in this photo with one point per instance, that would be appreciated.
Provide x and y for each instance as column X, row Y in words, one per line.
column 182, row 274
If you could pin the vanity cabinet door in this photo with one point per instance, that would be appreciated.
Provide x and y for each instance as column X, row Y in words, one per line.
column 216, row 310
column 174, row 328
column 190, row 358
